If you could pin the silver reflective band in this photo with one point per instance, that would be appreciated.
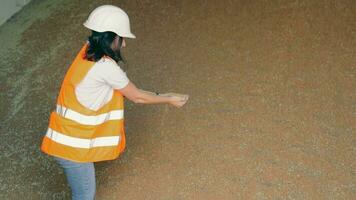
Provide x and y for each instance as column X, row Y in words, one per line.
column 82, row 143
column 88, row 119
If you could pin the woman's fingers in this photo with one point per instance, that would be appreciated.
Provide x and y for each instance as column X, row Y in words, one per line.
column 184, row 97
column 180, row 100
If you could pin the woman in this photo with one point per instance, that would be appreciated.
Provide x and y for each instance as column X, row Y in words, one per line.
column 87, row 125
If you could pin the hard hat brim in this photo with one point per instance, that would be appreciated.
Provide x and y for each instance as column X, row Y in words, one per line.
column 97, row 29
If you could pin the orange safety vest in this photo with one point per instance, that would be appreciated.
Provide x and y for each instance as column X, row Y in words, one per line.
column 79, row 134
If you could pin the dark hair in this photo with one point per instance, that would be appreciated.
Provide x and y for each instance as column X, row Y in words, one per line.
column 100, row 45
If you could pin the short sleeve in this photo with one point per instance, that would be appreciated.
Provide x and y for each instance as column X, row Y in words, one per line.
column 113, row 75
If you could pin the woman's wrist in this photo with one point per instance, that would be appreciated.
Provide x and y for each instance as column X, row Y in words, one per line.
column 169, row 98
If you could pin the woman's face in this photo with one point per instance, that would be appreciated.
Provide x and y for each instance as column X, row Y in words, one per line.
column 123, row 43
column 116, row 43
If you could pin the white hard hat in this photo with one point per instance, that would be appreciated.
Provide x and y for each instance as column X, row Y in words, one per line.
column 109, row 18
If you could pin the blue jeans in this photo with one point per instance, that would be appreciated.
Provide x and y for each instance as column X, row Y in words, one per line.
column 81, row 178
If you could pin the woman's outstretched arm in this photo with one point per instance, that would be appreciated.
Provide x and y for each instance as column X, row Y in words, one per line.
column 145, row 97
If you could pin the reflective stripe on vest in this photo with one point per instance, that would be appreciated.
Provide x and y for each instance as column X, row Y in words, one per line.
column 89, row 120
column 82, row 143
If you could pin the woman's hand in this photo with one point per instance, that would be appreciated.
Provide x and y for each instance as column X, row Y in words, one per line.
column 177, row 100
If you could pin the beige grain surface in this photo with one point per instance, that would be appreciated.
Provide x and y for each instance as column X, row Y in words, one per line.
column 271, row 115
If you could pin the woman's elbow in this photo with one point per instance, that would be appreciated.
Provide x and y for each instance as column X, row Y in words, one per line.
column 132, row 93
column 136, row 99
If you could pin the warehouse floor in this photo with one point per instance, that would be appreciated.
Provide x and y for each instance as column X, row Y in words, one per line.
column 271, row 113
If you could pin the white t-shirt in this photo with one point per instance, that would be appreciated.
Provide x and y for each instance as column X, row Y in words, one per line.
column 96, row 89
